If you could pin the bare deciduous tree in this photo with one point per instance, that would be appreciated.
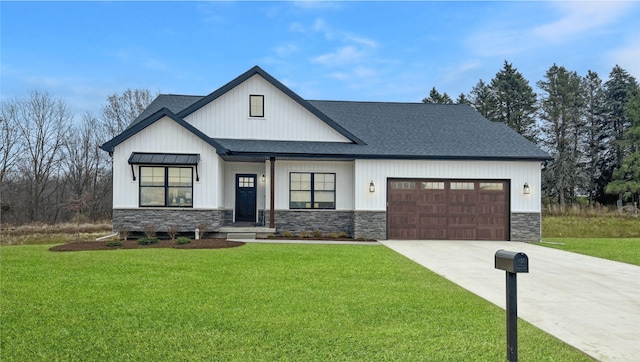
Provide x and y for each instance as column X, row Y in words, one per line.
column 84, row 163
column 122, row 109
column 43, row 124
column 10, row 146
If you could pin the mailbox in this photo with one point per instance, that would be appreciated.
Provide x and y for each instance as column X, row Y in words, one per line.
column 511, row 261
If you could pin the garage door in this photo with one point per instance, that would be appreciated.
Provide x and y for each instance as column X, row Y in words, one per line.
column 448, row 209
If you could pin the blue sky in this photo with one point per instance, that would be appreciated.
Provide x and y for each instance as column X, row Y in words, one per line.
column 83, row 52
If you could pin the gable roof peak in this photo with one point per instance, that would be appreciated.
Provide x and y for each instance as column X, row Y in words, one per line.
column 276, row 83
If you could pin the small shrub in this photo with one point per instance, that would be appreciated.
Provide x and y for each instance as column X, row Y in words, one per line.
column 271, row 236
column 173, row 231
column 343, row 234
column 287, row 234
column 332, row 235
column 304, row 234
column 124, row 233
column 114, row 243
column 148, row 241
column 149, row 230
column 182, row 240
column 203, row 229
column 317, row 233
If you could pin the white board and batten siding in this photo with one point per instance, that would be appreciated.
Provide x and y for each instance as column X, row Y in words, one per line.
column 231, row 170
column 344, row 180
column 284, row 119
column 378, row 171
column 166, row 136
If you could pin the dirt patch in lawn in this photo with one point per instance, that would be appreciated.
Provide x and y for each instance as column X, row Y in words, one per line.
column 133, row 244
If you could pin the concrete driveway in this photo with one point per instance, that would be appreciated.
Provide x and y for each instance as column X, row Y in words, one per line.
column 590, row 303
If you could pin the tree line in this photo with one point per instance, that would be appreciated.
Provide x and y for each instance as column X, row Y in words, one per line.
column 591, row 128
column 51, row 167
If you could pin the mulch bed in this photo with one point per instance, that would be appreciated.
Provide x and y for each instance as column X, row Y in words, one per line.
column 133, row 244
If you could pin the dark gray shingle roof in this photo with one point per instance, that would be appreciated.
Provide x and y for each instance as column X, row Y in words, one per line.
column 173, row 102
column 377, row 129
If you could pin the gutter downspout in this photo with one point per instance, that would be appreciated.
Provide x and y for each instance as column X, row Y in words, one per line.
column 107, row 237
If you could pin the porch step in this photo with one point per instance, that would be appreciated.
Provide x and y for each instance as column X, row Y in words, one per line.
column 241, row 235
column 246, row 229
column 243, row 232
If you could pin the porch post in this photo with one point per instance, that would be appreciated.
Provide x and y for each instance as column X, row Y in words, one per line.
column 272, row 223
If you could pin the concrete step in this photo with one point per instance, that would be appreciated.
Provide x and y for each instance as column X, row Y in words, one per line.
column 241, row 235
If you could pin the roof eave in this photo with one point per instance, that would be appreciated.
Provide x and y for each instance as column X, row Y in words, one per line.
column 110, row 145
column 384, row 157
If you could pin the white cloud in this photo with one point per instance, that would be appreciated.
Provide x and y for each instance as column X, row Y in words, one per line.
column 285, row 50
column 627, row 57
column 318, row 5
column 519, row 32
column 580, row 17
column 342, row 56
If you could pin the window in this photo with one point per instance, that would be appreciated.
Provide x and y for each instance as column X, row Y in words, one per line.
column 256, row 105
column 312, row 190
column 491, row 186
column 432, row 185
column 462, row 186
column 407, row 185
column 166, row 186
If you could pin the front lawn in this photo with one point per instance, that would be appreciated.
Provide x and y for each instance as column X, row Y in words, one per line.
column 255, row 302
column 624, row 250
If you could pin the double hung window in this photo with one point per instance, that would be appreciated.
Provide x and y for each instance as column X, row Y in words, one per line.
column 166, row 186
column 312, row 190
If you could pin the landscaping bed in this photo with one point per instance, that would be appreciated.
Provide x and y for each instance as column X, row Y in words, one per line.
column 133, row 244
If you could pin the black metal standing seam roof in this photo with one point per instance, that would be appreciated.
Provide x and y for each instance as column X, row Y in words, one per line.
column 164, row 158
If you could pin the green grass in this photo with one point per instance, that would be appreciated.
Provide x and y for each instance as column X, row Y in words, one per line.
column 619, row 249
column 252, row 303
column 597, row 226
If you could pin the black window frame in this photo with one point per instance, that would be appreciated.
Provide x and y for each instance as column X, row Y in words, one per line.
column 312, row 202
column 258, row 96
column 166, row 187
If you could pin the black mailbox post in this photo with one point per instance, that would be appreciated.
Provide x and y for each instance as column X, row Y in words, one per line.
column 512, row 262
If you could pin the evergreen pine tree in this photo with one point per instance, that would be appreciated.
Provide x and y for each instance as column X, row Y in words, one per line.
column 595, row 136
column 483, row 99
column 560, row 111
column 515, row 101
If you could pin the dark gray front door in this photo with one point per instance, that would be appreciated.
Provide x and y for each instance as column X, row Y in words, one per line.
column 245, row 197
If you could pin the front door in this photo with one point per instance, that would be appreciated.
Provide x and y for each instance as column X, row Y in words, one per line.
column 245, row 197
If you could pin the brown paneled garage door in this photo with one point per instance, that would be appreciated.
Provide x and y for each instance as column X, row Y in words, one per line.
column 448, row 209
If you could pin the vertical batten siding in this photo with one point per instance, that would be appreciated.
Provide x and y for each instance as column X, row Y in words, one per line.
column 344, row 180
column 231, row 169
column 228, row 117
column 518, row 172
column 166, row 136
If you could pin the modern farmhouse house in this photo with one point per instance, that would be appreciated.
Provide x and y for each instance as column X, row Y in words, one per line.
column 254, row 153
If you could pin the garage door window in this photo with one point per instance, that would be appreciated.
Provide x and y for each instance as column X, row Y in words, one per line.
column 491, row 186
column 312, row 190
column 432, row 185
column 400, row 185
column 462, row 186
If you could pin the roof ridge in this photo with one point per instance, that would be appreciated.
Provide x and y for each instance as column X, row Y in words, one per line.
column 386, row 102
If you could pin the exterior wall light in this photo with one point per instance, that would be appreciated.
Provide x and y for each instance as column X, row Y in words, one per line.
column 526, row 189
column 372, row 187
column 263, row 178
